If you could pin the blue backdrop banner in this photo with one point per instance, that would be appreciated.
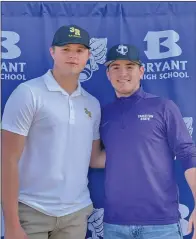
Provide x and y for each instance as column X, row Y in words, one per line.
column 163, row 31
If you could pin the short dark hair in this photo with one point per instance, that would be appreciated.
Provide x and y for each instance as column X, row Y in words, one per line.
column 130, row 61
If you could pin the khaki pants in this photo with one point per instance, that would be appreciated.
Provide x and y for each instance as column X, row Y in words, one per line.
column 40, row 226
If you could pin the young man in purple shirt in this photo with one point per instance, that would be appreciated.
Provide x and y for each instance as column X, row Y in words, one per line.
column 142, row 135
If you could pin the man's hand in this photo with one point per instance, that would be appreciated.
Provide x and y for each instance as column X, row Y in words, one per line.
column 16, row 233
column 190, row 175
column 192, row 223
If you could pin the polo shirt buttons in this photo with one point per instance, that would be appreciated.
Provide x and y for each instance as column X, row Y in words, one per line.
column 71, row 112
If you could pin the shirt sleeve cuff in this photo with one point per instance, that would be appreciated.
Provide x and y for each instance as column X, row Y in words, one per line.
column 14, row 130
column 189, row 163
column 96, row 137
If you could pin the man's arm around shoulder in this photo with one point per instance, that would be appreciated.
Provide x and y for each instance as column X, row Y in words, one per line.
column 98, row 156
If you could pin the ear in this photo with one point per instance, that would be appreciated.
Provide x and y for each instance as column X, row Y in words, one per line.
column 141, row 72
column 89, row 53
column 108, row 73
column 52, row 50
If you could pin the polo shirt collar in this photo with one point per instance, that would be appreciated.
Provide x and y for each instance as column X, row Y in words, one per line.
column 138, row 94
column 53, row 85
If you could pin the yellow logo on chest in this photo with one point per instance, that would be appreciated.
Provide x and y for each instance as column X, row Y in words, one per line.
column 88, row 112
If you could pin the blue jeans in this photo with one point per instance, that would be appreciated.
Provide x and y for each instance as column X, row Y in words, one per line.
column 172, row 231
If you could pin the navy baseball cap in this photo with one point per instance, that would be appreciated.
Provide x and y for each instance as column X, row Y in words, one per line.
column 123, row 52
column 71, row 34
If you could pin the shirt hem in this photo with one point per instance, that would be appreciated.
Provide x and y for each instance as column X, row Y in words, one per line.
column 144, row 223
column 65, row 212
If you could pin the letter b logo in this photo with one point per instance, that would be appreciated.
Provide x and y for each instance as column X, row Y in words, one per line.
column 9, row 44
column 154, row 42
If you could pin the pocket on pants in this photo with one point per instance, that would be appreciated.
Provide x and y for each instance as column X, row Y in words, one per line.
column 89, row 210
column 169, row 231
column 33, row 221
column 180, row 230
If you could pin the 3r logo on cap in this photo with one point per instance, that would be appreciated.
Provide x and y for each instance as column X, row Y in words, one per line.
column 75, row 31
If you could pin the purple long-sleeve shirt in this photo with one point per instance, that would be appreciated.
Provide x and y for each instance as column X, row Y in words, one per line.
column 142, row 134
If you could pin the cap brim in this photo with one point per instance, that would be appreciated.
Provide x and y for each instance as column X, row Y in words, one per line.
column 66, row 43
column 108, row 63
column 136, row 62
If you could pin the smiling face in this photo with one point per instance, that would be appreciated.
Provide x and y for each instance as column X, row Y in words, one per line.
column 70, row 59
column 125, row 77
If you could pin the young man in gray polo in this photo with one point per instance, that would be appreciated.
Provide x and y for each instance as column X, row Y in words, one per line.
column 49, row 125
